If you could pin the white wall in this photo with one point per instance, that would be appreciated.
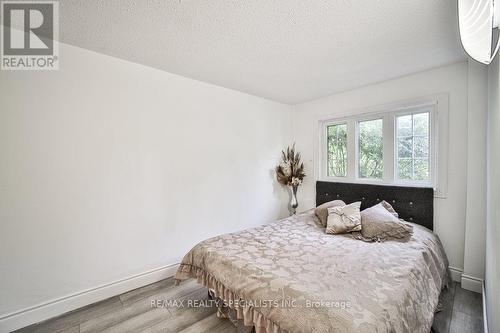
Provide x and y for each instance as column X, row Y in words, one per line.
column 492, row 275
column 109, row 169
column 450, row 212
column 475, row 227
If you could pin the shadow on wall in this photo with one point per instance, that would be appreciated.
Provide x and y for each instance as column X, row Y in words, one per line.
column 283, row 193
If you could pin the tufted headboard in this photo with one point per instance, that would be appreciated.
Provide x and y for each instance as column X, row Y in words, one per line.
column 413, row 204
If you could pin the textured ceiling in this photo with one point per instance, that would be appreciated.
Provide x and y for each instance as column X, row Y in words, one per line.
column 286, row 50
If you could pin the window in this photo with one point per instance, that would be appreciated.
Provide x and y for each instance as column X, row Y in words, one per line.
column 412, row 137
column 393, row 146
column 370, row 149
column 337, row 150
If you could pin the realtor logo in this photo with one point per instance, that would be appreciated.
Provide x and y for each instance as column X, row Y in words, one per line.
column 29, row 33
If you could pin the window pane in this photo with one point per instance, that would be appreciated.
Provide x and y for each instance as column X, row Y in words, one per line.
column 370, row 149
column 421, row 169
column 421, row 146
column 404, row 125
column 405, row 146
column 421, row 124
column 405, row 167
column 337, row 150
column 413, row 150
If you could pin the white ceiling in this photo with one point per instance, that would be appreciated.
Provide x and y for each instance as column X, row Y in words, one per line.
column 285, row 50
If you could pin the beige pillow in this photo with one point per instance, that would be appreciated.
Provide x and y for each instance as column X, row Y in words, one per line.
column 380, row 222
column 388, row 206
column 322, row 210
column 344, row 219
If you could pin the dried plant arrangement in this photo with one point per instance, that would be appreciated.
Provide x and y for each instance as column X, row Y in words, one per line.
column 290, row 171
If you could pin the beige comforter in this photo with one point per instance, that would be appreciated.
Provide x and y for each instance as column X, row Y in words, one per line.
column 290, row 276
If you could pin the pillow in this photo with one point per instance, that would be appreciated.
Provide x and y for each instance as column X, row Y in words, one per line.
column 322, row 210
column 380, row 222
column 344, row 219
column 389, row 208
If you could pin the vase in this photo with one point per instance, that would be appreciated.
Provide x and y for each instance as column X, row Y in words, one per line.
column 293, row 200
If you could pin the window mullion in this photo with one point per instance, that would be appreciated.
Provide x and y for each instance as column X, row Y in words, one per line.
column 389, row 148
column 412, row 149
column 323, row 156
column 352, row 154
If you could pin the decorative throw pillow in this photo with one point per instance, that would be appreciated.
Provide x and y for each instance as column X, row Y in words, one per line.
column 388, row 206
column 322, row 210
column 344, row 219
column 380, row 222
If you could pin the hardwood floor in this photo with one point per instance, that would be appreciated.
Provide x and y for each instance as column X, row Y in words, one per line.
column 462, row 313
column 133, row 312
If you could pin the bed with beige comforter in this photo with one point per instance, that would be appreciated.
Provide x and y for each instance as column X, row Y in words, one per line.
column 290, row 276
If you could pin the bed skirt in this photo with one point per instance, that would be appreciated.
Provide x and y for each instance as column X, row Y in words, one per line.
column 245, row 318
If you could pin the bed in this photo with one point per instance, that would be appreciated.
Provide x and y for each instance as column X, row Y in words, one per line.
column 289, row 276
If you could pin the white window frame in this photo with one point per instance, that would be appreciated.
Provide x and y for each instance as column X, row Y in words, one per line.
column 326, row 135
column 437, row 106
column 432, row 149
column 356, row 146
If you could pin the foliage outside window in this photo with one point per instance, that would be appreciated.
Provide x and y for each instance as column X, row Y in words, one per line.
column 370, row 149
column 412, row 137
column 337, row 150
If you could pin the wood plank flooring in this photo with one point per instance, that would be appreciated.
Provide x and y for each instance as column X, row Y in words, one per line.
column 462, row 313
column 133, row 312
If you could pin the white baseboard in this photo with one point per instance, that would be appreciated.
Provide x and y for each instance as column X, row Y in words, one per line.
column 467, row 282
column 456, row 273
column 485, row 313
column 472, row 283
column 40, row 312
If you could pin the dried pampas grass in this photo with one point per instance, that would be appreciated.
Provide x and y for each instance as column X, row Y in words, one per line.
column 290, row 171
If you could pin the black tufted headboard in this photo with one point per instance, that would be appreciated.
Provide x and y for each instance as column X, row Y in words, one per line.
column 413, row 204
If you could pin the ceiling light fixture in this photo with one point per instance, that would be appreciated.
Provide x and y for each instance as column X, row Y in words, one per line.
column 478, row 22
